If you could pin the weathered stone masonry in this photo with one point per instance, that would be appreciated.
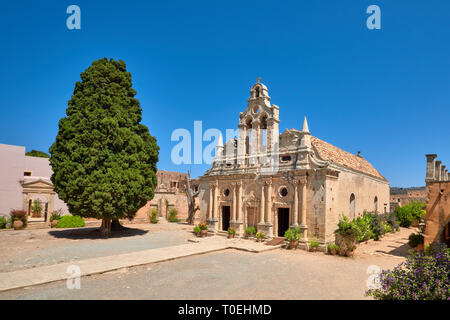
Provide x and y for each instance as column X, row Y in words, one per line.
column 438, row 202
column 274, row 182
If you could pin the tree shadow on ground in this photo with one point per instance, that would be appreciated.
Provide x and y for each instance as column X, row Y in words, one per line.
column 94, row 233
column 399, row 251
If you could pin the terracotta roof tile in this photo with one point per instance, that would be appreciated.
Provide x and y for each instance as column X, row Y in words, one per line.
column 334, row 154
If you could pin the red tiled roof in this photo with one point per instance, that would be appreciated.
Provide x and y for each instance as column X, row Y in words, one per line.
column 346, row 159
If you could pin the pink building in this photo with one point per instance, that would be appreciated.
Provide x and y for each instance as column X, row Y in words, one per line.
column 23, row 180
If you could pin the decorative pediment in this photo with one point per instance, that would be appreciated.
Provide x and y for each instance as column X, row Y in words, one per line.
column 39, row 183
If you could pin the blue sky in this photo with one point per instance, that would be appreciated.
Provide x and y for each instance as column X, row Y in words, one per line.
column 384, row 92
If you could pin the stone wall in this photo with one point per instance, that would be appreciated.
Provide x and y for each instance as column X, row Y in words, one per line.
column 437, row 217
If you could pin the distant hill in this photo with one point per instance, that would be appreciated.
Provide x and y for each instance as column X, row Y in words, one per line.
column 397, row 190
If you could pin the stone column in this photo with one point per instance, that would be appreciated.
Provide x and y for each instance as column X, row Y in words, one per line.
column 239, row 205
column 210, row 208
column 241, row 143
column 269, row 225
column 295, row 218
column 437, row 176
column 431, row 167
column 263, row 203
column 303, row 226
column 443, row 173
column 233, row 204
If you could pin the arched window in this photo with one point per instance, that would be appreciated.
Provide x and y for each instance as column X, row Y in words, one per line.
column 375, row 204
column 257, row 92
column 352, row 206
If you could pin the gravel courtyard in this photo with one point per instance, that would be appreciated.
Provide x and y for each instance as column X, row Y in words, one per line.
column 228, row 274
column 35, row 248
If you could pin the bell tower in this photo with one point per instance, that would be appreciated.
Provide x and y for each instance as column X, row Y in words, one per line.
column 258, row 127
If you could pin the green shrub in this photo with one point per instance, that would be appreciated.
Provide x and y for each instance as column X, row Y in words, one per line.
column 260, row 235
column 314, row 243
column 415, row 239
column 333, row 246
column 69, row 221
column 387, row 228
column 347, row 228
column 154, row 216
column 376, row 224
column 55, row 216
column 231, row 231
column 293, row 235
column 410, row 212
column 392, row 221
column 3, row 222
column 173, row 215
column 197, row 229
column 250, row 231
column 364, row 228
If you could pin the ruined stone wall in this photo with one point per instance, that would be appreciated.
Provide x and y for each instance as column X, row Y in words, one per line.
column 438, row 211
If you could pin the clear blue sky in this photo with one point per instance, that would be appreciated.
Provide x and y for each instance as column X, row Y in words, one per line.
column 385, row 92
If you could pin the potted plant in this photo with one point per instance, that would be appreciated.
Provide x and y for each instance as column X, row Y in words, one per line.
column 333, row 248
column 54, row 217
column 203, row 229
column 36, row 208
column 197, row 231
column 293, row 236
column 313, row 245
column 260, row 236
column 346, row 236
column 250, row 232
column 231, row 233
column 18, row 219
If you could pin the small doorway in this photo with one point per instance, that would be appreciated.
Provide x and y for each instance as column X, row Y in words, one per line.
column 225, row 218
column 445, row 236
column 283, row 221
column 251, row 217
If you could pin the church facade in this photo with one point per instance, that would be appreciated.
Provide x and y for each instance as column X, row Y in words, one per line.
column 276, row 181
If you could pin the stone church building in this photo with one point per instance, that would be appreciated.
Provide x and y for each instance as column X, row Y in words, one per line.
column 278, row 181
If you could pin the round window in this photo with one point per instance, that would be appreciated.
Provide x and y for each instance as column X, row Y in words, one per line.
column 226, row 192
column 283, row 192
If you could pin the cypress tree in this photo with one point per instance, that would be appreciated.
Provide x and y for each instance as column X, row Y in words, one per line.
column 104, row 159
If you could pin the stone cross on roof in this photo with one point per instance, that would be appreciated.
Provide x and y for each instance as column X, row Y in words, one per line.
column 259, row 79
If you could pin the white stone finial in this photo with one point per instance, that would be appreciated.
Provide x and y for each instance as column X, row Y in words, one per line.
column 305, row 126
column 220, row 142
column 259, row 79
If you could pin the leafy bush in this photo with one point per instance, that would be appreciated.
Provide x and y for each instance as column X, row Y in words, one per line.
column 314, row 243
column 293, row 235
column 392, row 221
column 364, row 228
column 197, row 229
column 423, row 277
column 55, row 216
column 347, row 228
column 203, row 226
column 3, row 222
column 154, row 216
column 231, row 231
column 173, row 215
column 333, row 246
column 387, row 228
column 410, row 212
column 260, row 235
column 415, row 239
column 250, row 231
column 376, row 224
column 69, row 221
